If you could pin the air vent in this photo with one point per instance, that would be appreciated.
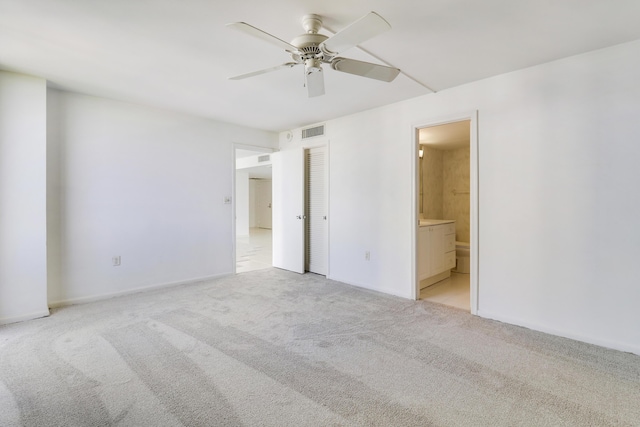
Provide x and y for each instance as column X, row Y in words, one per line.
column 264, row 158
column 312, row 132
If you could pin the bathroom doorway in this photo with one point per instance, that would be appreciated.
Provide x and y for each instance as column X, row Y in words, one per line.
column 446, row 212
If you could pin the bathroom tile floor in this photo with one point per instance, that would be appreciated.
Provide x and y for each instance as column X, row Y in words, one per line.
column 253, row 252
column 453, row 291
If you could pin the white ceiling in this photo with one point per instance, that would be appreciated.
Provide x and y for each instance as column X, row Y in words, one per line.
column 178, row 54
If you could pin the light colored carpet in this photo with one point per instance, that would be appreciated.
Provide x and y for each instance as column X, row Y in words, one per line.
column 273, row 348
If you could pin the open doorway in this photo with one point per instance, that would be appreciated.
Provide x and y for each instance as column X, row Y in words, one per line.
column 446, row 226
column 253, row 210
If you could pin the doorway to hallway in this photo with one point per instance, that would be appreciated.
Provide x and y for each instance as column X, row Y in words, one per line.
column 253, row 210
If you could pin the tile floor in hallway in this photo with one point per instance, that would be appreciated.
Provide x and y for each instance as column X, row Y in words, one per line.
column 453, row 291
column 253, row 252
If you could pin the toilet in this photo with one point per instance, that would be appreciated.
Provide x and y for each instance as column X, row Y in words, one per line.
column 463, row 258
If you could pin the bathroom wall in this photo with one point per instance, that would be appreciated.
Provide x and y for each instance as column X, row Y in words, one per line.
column 432, row 183
column 455, row 190
column 445, row 176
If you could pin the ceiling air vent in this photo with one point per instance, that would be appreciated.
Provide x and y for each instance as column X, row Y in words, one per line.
column 312, row 132
column 264, row 158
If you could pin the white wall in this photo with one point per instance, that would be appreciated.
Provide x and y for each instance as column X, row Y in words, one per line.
column 143, row 184
column 23, row 190
column 559, row 203
column 253, row 218
column 242, row 203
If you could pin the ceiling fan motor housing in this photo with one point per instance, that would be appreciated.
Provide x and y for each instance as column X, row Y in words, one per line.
column 308, row 45
column 309, row 52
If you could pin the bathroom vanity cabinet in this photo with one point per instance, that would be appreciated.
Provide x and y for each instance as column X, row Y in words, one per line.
column 436, row 250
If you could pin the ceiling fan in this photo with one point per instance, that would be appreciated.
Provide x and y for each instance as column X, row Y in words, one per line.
column 312, row 50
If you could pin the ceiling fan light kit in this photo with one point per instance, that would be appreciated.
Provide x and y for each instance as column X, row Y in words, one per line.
column 313, row 49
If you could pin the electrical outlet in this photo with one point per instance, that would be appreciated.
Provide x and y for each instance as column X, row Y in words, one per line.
column 116, row 260
column 367, row 255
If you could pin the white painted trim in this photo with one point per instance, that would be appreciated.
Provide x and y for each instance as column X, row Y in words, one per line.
column 328, row 201
column 474, row 178
column 615, row 345
column 234, row 261
column 473, row 189
column 387, row 291
column 94, row 298
column 24, row 317
column 319, row 142
column 415, row 215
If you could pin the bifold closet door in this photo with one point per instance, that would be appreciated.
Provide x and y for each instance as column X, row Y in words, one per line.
column 316, row 210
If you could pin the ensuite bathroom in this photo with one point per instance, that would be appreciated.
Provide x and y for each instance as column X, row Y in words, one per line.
column 444, row 256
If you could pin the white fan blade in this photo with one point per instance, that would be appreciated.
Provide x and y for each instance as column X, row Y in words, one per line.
column 266, row 70
column 365, row 69
column 359, row 31
column 262, row 35
column 315, row 83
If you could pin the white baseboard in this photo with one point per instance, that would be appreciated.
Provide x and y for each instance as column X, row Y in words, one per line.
column 23, row 317
column 614, row 345
column 388, row 291
column 100, row 297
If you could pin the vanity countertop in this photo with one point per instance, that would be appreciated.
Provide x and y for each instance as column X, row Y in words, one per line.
column 427, row 222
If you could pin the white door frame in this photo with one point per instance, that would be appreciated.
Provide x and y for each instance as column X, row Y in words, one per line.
column 473, row 190
column 236, row 146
